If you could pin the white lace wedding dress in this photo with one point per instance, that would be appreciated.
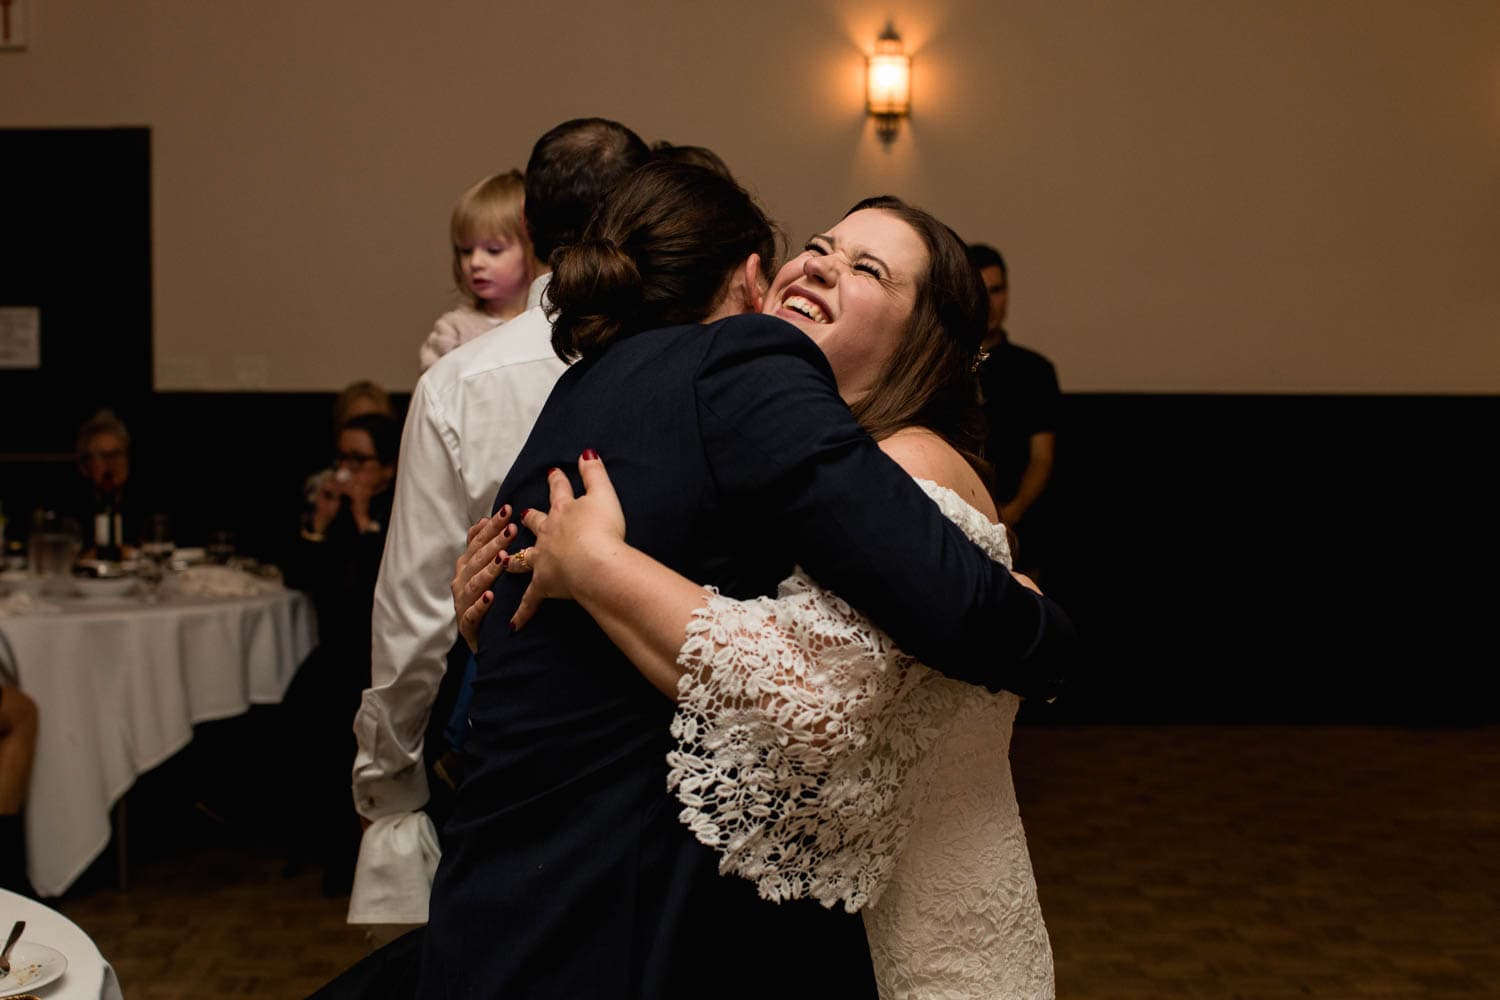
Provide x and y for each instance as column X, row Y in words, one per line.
column 821, row 761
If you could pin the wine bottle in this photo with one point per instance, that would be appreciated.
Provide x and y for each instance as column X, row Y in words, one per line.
column 107, row 530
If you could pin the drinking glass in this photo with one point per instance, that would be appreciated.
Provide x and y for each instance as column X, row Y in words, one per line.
column 157, row 548
column 53, row 548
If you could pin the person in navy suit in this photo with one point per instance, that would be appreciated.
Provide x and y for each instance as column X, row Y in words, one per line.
column 566, row 873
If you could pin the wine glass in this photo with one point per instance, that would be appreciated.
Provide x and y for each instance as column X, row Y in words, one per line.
column 158, row 548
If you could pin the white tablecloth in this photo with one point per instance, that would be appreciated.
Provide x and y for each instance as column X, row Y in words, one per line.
column 118, row 686
column 89, row 976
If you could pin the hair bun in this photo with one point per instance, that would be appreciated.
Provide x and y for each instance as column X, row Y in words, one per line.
column 596, row 288
column 657, row 253
column 600, row 273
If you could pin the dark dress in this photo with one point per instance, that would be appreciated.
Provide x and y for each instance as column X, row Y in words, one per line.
column 565, row 871
column 339, row 574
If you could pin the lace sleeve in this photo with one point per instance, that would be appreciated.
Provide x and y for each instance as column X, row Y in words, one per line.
column 803, row 735
column 771, row 729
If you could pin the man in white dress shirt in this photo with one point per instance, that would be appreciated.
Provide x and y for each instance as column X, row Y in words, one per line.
column 469, row 416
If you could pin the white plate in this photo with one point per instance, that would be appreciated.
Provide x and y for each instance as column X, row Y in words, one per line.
column 32, row 965
column 113, row 586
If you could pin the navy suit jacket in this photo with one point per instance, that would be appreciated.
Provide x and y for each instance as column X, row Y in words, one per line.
column 565, row 871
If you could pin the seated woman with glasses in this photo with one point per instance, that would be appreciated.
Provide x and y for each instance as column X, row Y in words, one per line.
column 364, row 467
column 337, row 562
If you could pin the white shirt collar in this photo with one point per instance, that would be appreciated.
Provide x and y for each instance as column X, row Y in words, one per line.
column 538, row 287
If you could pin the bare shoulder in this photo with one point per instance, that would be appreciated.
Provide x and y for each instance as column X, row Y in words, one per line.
column 925, row 455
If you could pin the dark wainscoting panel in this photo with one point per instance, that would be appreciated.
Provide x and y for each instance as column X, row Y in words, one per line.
column 1254, row 558
column 1283, row 558
column 75, row 243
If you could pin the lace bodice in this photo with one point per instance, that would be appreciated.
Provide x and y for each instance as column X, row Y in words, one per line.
column 820, row 761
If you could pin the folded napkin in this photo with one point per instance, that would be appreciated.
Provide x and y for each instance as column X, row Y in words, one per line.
column 217, row 581
column 397, row 860
column 23, row 603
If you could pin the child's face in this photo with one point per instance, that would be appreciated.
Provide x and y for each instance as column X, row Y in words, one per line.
column 495, row 269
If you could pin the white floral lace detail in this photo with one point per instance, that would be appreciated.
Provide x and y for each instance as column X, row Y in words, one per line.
column 820, row 761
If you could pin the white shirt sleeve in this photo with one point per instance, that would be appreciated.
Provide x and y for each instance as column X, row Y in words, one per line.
column 413, row 626
column 469, row 416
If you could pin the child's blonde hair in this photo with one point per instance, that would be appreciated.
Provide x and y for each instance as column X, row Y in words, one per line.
column 493, row 207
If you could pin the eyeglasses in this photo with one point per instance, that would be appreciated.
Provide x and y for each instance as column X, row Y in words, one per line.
column 353, row 458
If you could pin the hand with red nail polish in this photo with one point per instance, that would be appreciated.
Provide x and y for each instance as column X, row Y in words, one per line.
column 574, row 531
column 475, row 571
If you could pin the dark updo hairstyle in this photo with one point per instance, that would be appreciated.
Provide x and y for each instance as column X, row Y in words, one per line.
column 700, row 156
column 929, row 379
column 658, row 253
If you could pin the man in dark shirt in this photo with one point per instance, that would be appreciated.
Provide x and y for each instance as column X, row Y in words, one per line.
column 1020, row 403
column 104, row 483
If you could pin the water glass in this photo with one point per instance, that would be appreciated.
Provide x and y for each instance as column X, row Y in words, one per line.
column 52, row 550
column 157, row 547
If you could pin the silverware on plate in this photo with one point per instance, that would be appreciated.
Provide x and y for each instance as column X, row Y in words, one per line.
column 10, row 942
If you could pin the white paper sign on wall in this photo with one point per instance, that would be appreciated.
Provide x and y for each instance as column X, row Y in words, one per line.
column 20, row 337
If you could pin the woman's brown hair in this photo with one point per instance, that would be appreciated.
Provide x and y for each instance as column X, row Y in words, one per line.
column 659, row 252
column 929, row 379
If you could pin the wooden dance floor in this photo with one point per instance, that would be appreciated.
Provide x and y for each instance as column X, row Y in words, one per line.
column 1173, row 862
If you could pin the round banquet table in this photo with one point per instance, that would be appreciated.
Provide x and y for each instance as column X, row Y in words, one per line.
column 88, row 976
column 119, row 684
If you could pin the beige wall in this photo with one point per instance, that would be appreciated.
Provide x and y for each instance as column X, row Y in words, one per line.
column 1277, row 195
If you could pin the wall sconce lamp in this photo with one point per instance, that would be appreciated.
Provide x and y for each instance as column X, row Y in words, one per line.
column 888, row 84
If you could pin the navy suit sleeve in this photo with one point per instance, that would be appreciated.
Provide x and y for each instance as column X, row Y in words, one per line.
column 778, row 439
